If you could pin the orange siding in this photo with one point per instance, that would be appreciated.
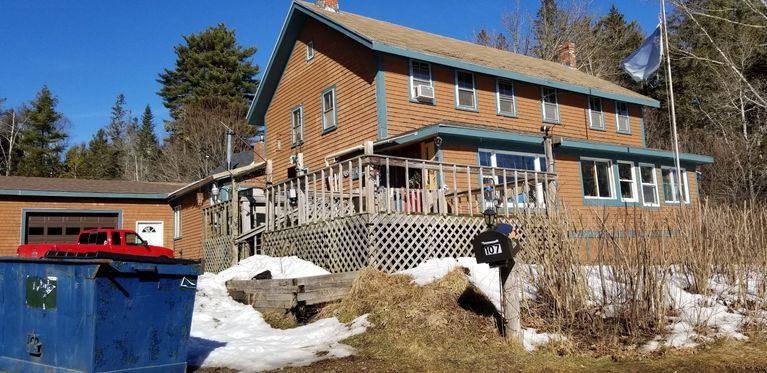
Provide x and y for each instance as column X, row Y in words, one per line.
column 132, row 211
column 338, row 61
column 404, row 115
column 189, row 245
column 571, row 190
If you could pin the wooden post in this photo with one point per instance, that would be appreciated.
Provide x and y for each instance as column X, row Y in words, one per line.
column 269, row 193
column 551, row 189
column 234, row 221
column 510, row 296
column 369, row 181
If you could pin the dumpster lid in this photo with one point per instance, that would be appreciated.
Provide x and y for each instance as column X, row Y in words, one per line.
column 120, row 263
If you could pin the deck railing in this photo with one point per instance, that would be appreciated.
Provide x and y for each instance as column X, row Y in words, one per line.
column 375, row 184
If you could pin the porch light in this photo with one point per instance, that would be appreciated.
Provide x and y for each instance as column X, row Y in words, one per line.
column 489, row 215
column 214, row 192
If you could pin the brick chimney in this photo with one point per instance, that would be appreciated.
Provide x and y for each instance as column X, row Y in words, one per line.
column 327, row 4
column 567, row 54
column 259, row 151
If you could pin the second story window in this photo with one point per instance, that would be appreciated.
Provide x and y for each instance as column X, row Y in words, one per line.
column 297, row 126
column 505, row 92
column 329, row 109
column 464, row 90
column 550, row 104
column 420, row 76
column 622, row 117
column 596, row 116
column 309, row 50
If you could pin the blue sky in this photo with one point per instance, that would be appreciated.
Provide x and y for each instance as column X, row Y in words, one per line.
column 89, row 51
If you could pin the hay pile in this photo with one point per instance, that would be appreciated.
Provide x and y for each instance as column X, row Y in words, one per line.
column 446, row 321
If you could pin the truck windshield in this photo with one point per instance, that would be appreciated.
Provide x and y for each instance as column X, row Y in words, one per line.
column 133, row 239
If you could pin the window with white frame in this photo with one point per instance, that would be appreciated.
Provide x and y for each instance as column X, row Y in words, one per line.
column 670, row 185
column 464, row 90
column 627, row 182
column 297, row 126
column 329, row 109
column 622, row 117
column 596, row 115
column 176, row 222
column 550, row 104
column 597, row 178
column 505, row 96
column 420, row 74
column 309, row 50
column 649, row 182
column 517, row 161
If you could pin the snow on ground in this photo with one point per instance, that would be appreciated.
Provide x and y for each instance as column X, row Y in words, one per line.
column 486, row 280
column 708, row 311
column 229, row 334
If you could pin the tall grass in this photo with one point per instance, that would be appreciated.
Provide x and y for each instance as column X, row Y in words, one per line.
column 613, row 284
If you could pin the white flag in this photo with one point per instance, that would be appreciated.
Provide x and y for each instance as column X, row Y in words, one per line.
column 647, row 59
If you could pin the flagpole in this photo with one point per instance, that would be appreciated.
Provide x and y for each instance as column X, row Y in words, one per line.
column 665, row 45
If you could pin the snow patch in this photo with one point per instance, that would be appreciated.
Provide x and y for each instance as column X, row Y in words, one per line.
column 229, row 334
column 486, row 280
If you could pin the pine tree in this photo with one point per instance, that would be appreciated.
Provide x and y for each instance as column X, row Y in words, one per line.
column 74, row 162
column 147, row 146
column 618, row 39
column 209, row 64
column 100, row 159
column 547, row 28
column 42, row 140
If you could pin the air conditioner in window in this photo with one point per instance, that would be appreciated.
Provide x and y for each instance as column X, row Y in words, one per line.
column 424, row 92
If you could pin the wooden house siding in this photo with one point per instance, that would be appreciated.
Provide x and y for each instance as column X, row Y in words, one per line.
column 130, row 211
column 189, row 245
column 403, row 114
column 570, row 190
column 337, row 61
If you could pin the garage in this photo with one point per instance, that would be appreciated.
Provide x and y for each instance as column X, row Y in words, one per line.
column 64, row 227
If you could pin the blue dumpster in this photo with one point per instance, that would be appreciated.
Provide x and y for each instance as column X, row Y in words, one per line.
column 95, row 315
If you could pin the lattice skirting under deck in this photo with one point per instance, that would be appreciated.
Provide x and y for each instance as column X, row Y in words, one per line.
column 390, row 243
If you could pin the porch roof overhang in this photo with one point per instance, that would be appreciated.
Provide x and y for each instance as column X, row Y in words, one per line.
column 224, row 175
column 474, row 132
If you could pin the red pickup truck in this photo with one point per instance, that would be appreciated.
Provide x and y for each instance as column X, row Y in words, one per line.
column 118, row 241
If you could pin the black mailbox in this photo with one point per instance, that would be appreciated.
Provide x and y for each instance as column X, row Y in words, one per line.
column 495, row 247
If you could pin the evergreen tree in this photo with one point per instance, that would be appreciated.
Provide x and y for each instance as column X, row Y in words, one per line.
column 100, row 158
column 618, row 39
column 42, row 139
column 548, row 25
column 74, row 162
column 209, row 64
column 147, row 146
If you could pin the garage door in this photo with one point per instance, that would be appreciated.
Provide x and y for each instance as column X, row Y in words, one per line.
column 63, row 227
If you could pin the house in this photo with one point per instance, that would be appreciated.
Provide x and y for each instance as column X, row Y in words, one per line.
column 451, row 128
column 219, row 215
column 37, row 209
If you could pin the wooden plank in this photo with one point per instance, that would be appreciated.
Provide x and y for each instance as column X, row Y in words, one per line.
column 283, row 305
column 323, row 295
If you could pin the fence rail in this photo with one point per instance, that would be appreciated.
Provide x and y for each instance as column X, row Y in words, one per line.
column 378, row 184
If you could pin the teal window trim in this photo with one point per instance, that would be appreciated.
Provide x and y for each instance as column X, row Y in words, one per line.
column 498, row 98
column 618, row 117
column 332, row 91
column 473, row 91
column 654, row 184
column 685, row 185
column 634, row 186
column 411, row 87
column 610, row 175
column 556, row 105
column 601, row 114
column 309, row 50
column 294, row 139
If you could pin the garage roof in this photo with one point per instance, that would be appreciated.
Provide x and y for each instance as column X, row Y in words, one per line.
column 55, row 187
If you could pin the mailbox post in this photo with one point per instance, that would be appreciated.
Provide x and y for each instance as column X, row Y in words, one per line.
column 497, row 246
